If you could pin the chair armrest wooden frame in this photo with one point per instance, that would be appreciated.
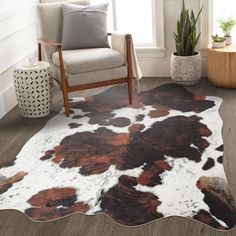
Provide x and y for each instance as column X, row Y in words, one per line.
column 48, row 43
column 64, row 84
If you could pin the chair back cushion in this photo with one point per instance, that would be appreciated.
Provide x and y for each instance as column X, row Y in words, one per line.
column 50, row 18
column 84, row 26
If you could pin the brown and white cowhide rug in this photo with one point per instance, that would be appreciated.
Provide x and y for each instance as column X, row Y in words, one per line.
column 160, row 157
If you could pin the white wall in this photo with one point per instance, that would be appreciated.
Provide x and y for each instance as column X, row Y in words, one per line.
column 17, row 38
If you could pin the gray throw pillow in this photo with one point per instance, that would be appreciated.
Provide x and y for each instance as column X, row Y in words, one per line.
column 84, row 26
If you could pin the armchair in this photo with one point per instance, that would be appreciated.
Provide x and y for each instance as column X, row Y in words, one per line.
column 80, row 69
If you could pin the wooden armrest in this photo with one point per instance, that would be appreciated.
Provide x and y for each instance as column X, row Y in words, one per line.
column 48, row 42
column 126, row 35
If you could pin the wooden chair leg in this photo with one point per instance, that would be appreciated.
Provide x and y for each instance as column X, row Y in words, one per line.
column 129, row 69
column 64, row 86
column 130, row 90
column 66, row 102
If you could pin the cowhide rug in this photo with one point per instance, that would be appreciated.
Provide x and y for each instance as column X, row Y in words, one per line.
column 160, row 157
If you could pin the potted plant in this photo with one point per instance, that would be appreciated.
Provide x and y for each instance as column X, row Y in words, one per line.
column 186, row 62
column 227, row 26
column 218, row 42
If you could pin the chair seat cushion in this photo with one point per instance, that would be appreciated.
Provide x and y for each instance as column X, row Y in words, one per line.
column 86, row 60
column 92, row 76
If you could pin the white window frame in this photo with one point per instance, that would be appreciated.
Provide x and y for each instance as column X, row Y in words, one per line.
column 210, row 19
column 206, row 22
column 157, row 49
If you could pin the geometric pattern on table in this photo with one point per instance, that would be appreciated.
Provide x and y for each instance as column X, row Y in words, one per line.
column 33, row 90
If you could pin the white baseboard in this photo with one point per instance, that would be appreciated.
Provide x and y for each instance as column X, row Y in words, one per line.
column 160, row 67
column 155, row 67
column 7, row 99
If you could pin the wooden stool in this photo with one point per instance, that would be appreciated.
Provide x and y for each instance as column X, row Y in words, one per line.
column 221, row 66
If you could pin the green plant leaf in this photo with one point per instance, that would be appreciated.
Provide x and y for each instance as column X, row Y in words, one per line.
column 227, row 25
column 186, row 37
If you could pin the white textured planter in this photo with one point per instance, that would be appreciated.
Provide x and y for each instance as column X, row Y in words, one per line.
column 218, row 44
column 186, row 70
column 228, row 40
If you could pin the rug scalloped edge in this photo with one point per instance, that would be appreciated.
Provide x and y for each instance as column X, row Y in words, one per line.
column 113, row 221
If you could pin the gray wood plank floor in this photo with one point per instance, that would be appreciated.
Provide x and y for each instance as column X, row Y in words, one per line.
column 16, row 130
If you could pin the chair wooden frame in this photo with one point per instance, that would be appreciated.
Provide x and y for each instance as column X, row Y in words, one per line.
column 66, row 89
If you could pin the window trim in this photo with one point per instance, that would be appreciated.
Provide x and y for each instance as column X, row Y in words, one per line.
column 157, row 49
column 206, row 22
column 205, row 25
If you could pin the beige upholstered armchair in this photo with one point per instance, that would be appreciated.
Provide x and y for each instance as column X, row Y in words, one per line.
column 80, row 69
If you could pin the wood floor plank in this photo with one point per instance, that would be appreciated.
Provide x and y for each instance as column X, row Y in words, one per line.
column 51, row 228
column 85, row 225
column 9, row 226
column 170, row 226
column 16, row 130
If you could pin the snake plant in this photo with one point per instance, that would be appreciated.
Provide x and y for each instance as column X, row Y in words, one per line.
column 186, row 37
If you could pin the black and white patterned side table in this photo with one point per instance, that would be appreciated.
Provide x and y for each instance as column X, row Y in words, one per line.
column 33, row 86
